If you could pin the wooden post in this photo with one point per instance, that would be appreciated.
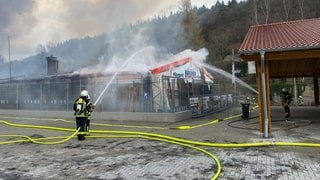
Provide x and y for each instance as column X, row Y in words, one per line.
column 260, row 98
column 261, row 106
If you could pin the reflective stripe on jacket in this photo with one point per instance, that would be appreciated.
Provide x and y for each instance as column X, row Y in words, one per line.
column 82, row 112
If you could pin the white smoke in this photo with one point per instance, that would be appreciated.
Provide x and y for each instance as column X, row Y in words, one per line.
column 30, row 23
column 141, row 62
column 146, row 60
column 199, row 55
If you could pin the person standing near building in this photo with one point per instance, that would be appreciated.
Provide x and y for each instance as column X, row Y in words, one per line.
column 286, row 99
column 80, row 108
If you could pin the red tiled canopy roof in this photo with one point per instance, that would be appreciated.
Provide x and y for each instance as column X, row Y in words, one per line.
column 286, row 49
column 284, row 36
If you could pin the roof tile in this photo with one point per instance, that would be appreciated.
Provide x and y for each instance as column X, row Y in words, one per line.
column 282, row 36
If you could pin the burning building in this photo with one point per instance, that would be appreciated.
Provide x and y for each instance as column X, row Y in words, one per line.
column 179, row 89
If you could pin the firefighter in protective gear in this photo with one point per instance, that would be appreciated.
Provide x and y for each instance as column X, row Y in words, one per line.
column 300, row 101
column 286, row 100
column 80, row 112
column 90, row 108
column 248, row 100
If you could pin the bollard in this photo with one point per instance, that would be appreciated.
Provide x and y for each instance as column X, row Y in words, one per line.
column 245, row 110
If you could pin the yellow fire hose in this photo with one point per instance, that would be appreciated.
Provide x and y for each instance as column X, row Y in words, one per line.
column 36, row 141
column 146, row 135
column 124, row 134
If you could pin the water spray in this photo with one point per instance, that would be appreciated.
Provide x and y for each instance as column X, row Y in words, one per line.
column 225, row 74
column 116, row 73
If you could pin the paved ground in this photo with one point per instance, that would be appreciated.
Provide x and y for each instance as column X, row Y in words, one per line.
column 139, row 158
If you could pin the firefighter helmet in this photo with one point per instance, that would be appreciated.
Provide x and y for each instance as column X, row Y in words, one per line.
column 84, row 93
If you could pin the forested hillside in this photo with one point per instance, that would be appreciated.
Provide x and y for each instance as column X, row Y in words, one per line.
column 224, row 26
column 219, row 28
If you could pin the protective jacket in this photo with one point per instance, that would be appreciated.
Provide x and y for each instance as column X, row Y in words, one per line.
column 286, row 98
column 80, row 107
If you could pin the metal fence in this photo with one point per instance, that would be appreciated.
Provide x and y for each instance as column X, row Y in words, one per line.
column 126, row 93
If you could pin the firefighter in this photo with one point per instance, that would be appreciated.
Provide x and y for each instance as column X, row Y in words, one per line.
column 286, row 100
column 80, row 108
column 248, row 100
column 89, row 109
column 300, row 101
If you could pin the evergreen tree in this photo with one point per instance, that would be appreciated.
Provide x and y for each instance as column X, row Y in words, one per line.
column 193, row 36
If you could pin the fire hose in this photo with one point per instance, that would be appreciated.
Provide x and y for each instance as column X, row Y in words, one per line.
column 119, row 134
column 146, row 135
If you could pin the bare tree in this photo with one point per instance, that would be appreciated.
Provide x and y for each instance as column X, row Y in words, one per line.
column 301, row 7
column 287, row 5
column 261, row 7
column 255, row 11
column 265, row 8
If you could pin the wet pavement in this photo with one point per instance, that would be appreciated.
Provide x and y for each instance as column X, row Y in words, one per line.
column 135, row 157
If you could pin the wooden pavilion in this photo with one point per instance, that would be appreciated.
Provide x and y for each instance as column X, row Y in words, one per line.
column 281, row 50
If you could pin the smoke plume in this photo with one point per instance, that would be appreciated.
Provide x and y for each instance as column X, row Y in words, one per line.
column 30, row 23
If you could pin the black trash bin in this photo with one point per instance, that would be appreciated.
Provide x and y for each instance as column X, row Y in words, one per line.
column 245, row 110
